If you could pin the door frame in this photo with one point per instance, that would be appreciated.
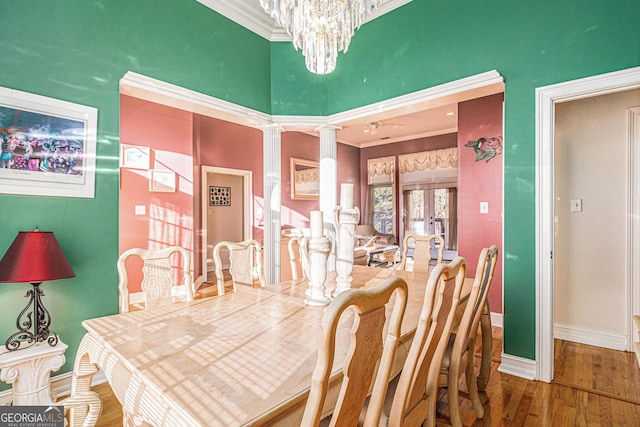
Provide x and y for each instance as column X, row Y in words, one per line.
column 247, row 196
column 428, row 185
column 546, row 98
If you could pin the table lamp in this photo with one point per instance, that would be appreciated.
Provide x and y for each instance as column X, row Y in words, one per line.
column 34, row 256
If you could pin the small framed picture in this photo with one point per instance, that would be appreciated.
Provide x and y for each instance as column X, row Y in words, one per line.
column 162, row 181
column 219, row 196
column 134, row 157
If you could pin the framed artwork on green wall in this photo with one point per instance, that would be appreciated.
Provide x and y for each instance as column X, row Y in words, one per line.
column 48, row 146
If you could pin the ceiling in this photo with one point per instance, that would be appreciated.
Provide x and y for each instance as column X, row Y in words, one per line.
column 435, row 117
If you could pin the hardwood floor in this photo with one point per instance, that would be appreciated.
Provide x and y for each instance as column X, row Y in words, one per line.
column 593, row 386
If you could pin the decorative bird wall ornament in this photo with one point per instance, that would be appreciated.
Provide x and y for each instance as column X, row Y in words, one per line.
column 486, row 148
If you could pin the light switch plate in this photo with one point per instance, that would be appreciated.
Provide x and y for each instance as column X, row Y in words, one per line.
column 576, row 205
column 484, row 207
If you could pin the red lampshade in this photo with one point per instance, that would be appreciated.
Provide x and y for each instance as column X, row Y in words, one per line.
column 34, row 256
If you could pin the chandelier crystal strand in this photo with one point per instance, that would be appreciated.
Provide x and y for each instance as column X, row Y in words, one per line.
column 320, row 28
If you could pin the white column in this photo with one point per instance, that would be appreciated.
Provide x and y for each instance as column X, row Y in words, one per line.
column 272, row 187
column 329, row 182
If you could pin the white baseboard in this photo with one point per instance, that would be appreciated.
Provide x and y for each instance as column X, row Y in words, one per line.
column 517, row 366
column 590, row 337
column 136, row 298
column 60, row 386
column 496, row 319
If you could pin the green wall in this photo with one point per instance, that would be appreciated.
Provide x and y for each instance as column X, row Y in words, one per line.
column 77, row 51
column 531, row 44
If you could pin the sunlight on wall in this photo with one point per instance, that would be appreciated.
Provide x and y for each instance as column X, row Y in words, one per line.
column 290, row 217
column 169, row 225
column 181, row 164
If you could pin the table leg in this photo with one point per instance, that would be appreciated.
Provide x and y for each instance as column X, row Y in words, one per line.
column 487, row 340
column 83, row 371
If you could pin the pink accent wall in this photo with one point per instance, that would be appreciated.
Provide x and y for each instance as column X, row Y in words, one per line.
column 480, row 182
column 295, row 213
column 169, row 216
column 229, row 145
column 348, row 158
column 183, row 142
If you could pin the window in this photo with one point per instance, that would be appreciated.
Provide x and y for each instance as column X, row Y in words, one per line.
column 382, row 198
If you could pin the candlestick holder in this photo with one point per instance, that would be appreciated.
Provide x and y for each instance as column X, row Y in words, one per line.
column 315, row 251
column 345, row 221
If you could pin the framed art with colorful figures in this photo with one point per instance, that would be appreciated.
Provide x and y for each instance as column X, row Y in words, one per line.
column 48, row 146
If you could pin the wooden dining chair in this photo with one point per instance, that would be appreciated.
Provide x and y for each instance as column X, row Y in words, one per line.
column 371, row 353
column 245, row 263
column 413, row 395
column 423, row 247
column 296, row 260
column 160, row 279
column 459, row 353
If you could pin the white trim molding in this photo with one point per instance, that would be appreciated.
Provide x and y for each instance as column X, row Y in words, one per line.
column 633, row 243
column 590, row 337
column 546, row 98
column 250, row 15
column 517, row 366
column 496, row 320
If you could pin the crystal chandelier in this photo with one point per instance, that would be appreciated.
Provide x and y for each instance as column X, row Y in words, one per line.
column 321, row 28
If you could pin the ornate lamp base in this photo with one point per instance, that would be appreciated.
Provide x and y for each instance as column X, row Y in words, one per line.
column 39, row 319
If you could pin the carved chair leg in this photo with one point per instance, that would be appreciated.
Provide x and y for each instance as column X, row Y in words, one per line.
column 472, row 385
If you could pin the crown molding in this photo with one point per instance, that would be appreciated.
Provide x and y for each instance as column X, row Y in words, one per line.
column 140, row 86
column 250, row 15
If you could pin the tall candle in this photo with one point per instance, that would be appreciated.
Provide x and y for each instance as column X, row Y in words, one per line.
column 346, row 196
column 317, row 224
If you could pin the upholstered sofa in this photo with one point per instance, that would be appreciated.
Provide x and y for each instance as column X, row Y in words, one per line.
column 367, row 238
column 365, row 233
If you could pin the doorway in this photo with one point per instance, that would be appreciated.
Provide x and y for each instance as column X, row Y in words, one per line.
column 431, row 209
column 547, row 98
column 226, row 212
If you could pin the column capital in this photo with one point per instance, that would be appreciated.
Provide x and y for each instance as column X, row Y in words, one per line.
column 328, row 126
column 272, row 127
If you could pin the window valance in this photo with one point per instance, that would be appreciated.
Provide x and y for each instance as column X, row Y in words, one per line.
column 433, row 159
column 381, row 170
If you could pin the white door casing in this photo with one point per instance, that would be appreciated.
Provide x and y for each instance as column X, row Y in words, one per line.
column 546, row 98
column 247, row 195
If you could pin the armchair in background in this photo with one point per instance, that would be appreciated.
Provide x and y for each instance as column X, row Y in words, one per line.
column 367, row 235
column 367, row 240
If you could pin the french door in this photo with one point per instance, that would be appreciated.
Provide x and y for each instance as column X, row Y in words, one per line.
column 431, row 209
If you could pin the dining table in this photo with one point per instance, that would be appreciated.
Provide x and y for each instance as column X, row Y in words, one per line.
column 239, row 359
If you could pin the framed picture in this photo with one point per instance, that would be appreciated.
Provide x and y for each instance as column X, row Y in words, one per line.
column 305, row 179
column 219, row 196
column 162, row 181
column 48, row 146
column 134, row 157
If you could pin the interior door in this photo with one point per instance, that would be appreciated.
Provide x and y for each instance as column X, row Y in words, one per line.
column 431, row 209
